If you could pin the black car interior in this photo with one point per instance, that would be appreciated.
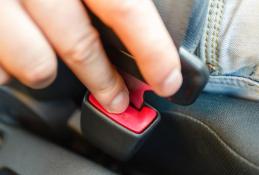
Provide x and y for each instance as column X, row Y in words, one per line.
column 48, row 131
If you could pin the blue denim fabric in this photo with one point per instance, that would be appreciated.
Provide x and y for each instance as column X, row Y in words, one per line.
column 202, row 39
column 196, row 25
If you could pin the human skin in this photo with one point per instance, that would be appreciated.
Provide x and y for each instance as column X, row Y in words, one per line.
column 32, row 32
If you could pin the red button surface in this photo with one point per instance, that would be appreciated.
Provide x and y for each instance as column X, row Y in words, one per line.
column 133, row 119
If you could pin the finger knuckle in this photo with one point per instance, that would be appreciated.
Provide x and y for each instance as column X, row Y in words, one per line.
column 123, row 9
column 110, row 83
column 154, row 54
column 83, row 49
column 109, row 88
column 158, row 52
column 40, row 72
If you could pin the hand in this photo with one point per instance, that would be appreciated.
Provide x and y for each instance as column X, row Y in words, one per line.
column 32, row 31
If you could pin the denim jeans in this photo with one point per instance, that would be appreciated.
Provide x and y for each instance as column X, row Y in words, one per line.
column 229, row 47
column 227, row 42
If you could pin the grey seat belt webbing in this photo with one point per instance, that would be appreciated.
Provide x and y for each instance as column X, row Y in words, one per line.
column 195, row 27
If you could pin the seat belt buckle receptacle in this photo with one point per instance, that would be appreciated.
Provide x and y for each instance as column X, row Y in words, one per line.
column 119, row 135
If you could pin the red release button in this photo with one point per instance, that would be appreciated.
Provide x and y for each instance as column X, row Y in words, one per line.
column 132, row 119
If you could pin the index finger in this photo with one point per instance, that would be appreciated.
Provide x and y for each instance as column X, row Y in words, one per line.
column 139, row 26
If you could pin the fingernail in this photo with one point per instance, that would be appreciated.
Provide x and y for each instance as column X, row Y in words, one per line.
column 172, row 83
column 119, row 103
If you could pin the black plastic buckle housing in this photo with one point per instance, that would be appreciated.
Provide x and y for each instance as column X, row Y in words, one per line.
column 110, row 136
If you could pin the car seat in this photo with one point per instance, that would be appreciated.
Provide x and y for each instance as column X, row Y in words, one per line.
column 217, row 134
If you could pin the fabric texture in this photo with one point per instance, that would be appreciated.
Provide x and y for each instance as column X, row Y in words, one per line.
column 217, row 135
column 239, row 38
column 229, row 40
column 28, row 155
column 229, row 47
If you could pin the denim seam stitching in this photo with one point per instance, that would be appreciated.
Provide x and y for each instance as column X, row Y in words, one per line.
column 232, row 85
column 211, row 45
column 235, row 81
